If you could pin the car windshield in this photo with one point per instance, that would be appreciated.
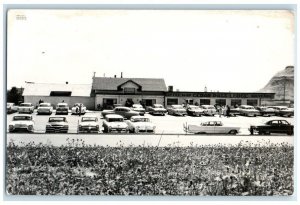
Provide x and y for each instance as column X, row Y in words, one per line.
column 140, row 120
column 177, row 106
column 62, row 105
column 57, row 119
column 16, row 118
column 88, row 119
column 115, row 120
column 45, row 105
column 25, row 105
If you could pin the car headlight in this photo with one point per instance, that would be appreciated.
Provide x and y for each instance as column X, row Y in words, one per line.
column 11, row 126
column 97, row 126
column 30, row 127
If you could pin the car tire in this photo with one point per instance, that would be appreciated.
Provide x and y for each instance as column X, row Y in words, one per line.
column 105, row 130
column 232, row 132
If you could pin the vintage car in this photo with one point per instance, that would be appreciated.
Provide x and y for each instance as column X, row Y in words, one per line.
column 125, row 112
column 272, row 126
column 176, row 110
column 62, row 108
column 157, row 109
column 233, row 111
column 209, row 110
column 211, row 127
column 114, row 123
column 266, row 111
column 248, row 110
column 88, row 124
column 21, row 122
column 76, row 108
column 138, row 108
column 44, row 108
column 283, row 111
column 26, row 108
column 140, row 124
column 11, row 108
column 57, row 124
column 194, row 110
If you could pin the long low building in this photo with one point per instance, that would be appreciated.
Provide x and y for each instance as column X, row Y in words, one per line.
column 104, row 92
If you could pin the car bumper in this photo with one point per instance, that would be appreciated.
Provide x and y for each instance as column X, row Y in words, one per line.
column 62, row 111
column 44, row 111
column 88, row 130
column 20, row 129
column 118, row 130
column 57, row 129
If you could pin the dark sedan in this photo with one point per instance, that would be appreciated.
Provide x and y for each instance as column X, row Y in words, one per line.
column 273, row 126
column 123, row 111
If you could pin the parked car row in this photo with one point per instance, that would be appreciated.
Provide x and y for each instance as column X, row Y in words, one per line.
column 87, row 124
column 46, row 108
column 217, row 127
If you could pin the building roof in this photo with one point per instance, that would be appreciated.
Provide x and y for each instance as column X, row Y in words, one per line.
column 44, row 89
column 147, row 84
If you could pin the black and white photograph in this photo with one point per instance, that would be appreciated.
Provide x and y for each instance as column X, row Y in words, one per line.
column 150, row 102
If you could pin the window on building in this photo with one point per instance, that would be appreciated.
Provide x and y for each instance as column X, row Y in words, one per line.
column 204, row 101
column 252, row 102
column 221, row 102
column 129, row 90
column 236, row 102
column 60, row 93
column 189, row 101
column 148, row 102
column 172, row 101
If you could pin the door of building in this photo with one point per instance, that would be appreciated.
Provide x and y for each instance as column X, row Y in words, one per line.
column 108, row 103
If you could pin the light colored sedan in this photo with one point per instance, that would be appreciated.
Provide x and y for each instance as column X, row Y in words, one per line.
column 140, row 124
column 21, row 122
column 26, row 108
column 248, row 110
column 88, row 124
column 11, row 108
column 44, row 108
column 211, row 127
column 209, row 110
column 114, row 123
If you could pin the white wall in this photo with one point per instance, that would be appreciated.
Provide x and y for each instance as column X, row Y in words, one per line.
column 89, row 102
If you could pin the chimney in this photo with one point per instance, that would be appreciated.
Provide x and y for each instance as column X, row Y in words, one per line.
column 170, row 88
column 121, row 74
column 115, row 76
column 67, row 82
column 205, row 89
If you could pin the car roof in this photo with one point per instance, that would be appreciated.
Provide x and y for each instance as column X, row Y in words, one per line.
column 45, row 103
column 23, row 115
column 139, row 117
column 113, row 116
column 57, row 117
column 26, row 103
column 122, row 107
column 62, row 103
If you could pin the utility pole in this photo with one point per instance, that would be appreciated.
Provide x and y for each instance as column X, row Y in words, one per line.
column 284, row 82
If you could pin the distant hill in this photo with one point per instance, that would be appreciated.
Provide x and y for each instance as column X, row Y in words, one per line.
column 284, row 78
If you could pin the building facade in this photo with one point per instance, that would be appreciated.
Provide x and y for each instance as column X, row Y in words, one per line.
column 105, row 93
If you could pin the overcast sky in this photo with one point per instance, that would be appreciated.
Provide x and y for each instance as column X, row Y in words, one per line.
column 223, row 50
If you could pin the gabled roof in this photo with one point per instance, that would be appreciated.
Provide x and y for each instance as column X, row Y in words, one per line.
column 148, row 84
column 44, row 89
